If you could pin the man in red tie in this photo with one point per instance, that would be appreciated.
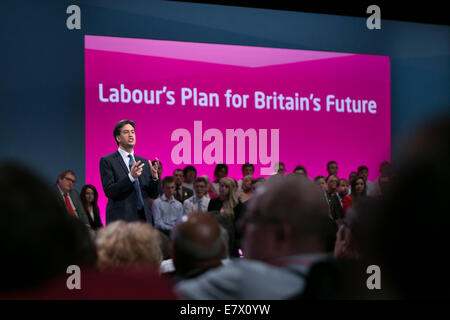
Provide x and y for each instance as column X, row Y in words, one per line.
column 70, row 197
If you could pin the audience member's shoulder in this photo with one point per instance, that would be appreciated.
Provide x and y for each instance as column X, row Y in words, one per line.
column 188, row 200
column 218, row 284
column 242, row 279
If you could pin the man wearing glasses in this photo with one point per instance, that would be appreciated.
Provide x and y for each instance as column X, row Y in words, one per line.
column 69, row 196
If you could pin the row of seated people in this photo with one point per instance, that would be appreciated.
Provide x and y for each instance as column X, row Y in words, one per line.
column 184, row 193
column 293, row 246
column 229, row 205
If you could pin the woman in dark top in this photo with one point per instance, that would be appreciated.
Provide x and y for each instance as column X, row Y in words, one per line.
column 228, row 203
column 359, row 191
column 89, row 198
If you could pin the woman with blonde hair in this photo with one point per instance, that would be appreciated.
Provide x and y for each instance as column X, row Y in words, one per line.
column 246, row 192
column 128, row 245
column 228, row 204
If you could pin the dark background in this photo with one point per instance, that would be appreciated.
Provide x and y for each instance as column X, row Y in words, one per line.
column 42, row 62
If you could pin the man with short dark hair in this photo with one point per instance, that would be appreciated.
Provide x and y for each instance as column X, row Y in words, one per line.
column 384, row 179
column 166, row 209
column 69, row 196
column 332, row 168
column 128, row 180
column 200, row 200
column 248, row 169
column 363, row 172
column 300, row 170
column 334, row 201
column 189, row 174
column 38, row 240
column 181, row 192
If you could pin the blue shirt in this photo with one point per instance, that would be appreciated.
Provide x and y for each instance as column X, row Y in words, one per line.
column 166, row 213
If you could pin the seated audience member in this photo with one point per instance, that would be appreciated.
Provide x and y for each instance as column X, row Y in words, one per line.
column 385, row 176
column 166, row 209
column 257, row 183
column 128, row 245
column 221, row 171
column 345, row 247
column 197, row 245
column 300, row 170
column 345, row 277
column 332, row 168
column 247, row 170
column 165, row 244
column 359, row 191
column 334, row 201
column 89, row 198
column 190, row 174
column 363, row 172
column 410, row 242
column 228, row 203
column 69, row 197
column 181, row 193
column 210, row 191
column 38, row 239
column 41, row 257
column 280, row 169
column 384, row 186
column 343, row 192
column 228, row 229
column 342, row 188
column 352, row 176
column 200, row 200
column 246, row 192
column 320, row 180
column 287, row 230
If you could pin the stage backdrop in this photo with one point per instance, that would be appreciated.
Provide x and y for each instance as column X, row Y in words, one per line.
column 203, row 104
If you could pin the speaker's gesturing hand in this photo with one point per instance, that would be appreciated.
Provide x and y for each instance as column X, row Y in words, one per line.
column 154, row 168
column 136, row 169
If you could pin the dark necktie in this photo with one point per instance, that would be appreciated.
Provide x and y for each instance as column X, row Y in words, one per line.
column 137, row 187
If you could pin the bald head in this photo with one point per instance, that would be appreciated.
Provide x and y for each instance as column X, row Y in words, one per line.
column 288, row 216
column 199, row 229
column 197, row 242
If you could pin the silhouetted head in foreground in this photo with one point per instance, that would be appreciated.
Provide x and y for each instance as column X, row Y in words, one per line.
column 38, row 239
column 411, row 238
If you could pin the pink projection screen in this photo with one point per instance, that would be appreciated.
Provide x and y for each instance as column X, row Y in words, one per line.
column 203, row 104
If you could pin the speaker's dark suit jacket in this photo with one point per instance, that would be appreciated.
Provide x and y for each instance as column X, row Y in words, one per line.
column 122, row 197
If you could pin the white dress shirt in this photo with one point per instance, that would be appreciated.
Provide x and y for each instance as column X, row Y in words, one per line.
column 126, row 159
column 191, row 204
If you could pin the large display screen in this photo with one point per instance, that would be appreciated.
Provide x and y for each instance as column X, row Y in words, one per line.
column 202, row 104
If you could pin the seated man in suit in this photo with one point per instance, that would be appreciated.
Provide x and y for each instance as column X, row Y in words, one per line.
column 128, row 180
column 69, row 196
column 181, row 192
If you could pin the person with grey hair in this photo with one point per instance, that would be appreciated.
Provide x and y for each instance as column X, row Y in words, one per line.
column 287, row 230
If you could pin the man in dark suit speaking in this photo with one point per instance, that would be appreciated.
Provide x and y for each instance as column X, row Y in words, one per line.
column 128, row 180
